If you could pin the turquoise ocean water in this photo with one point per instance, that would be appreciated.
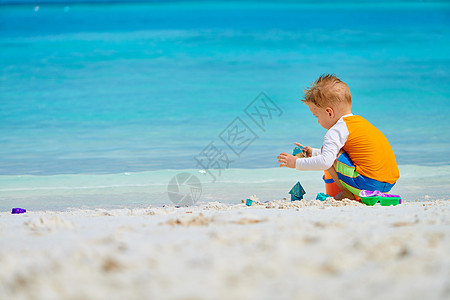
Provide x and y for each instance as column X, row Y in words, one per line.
column 102, row 103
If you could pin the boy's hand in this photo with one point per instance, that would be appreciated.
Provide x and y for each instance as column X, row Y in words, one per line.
column 307, row 150
column 287, row 160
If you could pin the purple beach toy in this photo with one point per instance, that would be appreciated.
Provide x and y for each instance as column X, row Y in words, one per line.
column 373, row 197
column 18, row 210
column 365, row 193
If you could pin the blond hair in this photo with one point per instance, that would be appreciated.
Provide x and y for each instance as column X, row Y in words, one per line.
column 327, row 90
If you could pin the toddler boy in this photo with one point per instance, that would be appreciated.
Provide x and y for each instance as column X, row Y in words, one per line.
column 355, row 153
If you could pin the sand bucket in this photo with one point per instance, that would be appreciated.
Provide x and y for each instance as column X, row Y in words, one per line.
column 331, row 187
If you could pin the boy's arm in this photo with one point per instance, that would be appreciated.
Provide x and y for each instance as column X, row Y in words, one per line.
column 334, row 140
column 309, row 151
column 316, row 151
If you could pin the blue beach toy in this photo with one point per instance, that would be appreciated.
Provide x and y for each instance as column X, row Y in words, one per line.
column 249, row 202
column 322, row 196
column 297, row 192
column 299, row 151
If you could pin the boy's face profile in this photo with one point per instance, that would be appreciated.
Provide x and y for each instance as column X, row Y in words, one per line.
column 325, row 116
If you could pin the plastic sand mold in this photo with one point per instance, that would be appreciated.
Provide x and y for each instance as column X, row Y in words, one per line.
column 322, row 196
column 297, row 192
column 372, row 197
column 251, row 200
column 299, row 152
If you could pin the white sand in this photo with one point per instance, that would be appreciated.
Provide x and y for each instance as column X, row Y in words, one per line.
column 331, row 250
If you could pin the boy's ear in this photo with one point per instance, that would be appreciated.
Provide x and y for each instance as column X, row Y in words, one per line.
column 330, row 111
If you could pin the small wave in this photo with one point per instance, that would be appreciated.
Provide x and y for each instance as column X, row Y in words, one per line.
column 79, row 187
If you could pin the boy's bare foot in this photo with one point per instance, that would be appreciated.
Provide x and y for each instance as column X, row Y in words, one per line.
column 343, row 195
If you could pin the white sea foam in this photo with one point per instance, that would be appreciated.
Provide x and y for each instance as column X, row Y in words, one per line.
column 150, row 188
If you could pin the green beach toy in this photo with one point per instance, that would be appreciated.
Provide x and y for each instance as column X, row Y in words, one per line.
column 372, row 197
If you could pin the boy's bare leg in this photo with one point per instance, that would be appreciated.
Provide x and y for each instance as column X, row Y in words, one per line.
column 345, row 193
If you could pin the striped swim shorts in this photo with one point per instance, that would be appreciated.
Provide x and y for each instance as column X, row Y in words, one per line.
column 355, row 182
